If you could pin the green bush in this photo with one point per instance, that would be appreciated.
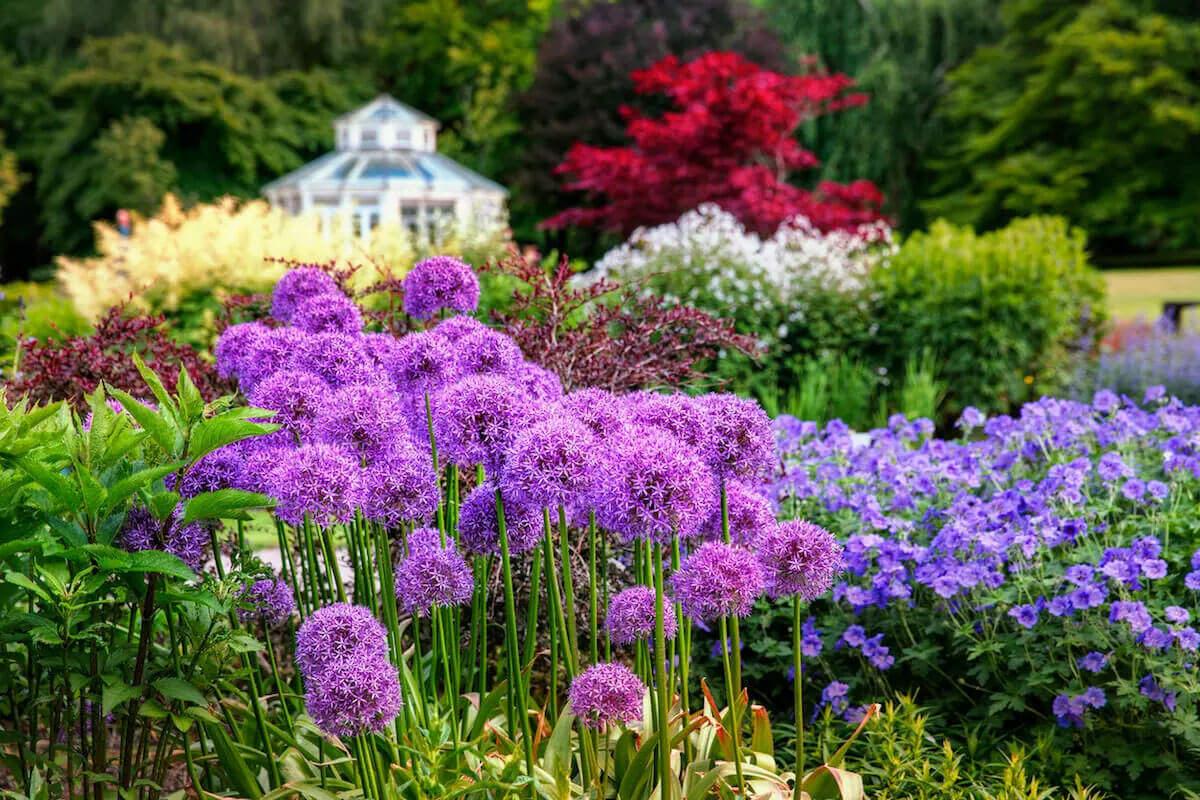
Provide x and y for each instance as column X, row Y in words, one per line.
column 1003, row 313
column 35, row 310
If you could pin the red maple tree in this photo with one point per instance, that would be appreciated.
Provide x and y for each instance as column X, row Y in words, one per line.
column 729, row 140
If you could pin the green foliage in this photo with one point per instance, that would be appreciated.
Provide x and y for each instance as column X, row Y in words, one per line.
column 1085, row 108
column 36, row 310
column 1003, row 314
column 898, row 52
column 10, row 179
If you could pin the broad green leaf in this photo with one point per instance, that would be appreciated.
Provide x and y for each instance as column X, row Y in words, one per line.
column 191, row 404
column 224, row 504
column 117, row 693
column 163, row 504
column 125, row 488
column 26, row 583
column 830, row 783
column 179, row 689
column 232, row 763
column 61, row 489
column 165, row 401
column 213, row 434
column 160, row 430
column 159, row 562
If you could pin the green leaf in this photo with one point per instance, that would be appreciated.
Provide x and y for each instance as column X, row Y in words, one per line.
column 235, row 767
column 213, row 434
column 224, row 504
column 830, row 783
column 165, row 401
column 117, row 693
column 160, row 430
column 159, row 562
column 125, row 488
column 179, row 689
column 25, row 582
column 163, row 505
column 191, row 404
column 53, row 482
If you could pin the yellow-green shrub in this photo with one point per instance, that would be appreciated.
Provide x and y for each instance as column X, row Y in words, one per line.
column 223, row 246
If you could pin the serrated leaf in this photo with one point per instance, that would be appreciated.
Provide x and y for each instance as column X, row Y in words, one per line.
column 160, row 430
column 217, row 432
column 159, row 562
column 123, row 489
column 117, row 693
column 179, row 689
column 57, row 486
column 224, row 504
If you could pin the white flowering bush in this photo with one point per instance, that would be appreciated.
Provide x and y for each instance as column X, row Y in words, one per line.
column 795, row 290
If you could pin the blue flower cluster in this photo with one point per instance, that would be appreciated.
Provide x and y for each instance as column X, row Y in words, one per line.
column 1055, row 543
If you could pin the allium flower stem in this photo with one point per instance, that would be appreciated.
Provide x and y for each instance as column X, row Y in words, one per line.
column 564, row 543
column 441, row 517
column 734, row 644
column 604, row 589
column 798, row 683
column 531, row 617
column 593, row 609
column 216, row 548
column 558, row 617
column 683, row 636
column 319, row 597
column 439, row 616
column 666, row 780
column 735, row 734
column 479, row 627
column 283, row 703
column 331, row 564
column 516, row 684
column 288, row 568
column 391, row 621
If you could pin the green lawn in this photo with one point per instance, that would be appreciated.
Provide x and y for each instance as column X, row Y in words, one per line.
column 1141, row 292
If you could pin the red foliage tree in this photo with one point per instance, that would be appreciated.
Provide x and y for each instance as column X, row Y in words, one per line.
column 729, row 140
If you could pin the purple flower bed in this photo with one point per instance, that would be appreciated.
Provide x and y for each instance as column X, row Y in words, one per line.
column 1032, row 577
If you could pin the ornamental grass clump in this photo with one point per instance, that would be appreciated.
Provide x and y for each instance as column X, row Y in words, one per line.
column 414, row 476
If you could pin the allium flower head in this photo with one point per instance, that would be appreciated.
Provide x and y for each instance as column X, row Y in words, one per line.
column 542, row 384
column 339, row 359
column 422, row 363
column 552, row 463
column 678, row 414
column 741, row 444
column 718, row 580
column 799, row 558
column 267, row 354
column 364, row 417
column 607, row 693
column 260, row 455
column 331, row 312
column 604, row 413
column 489, row 352
column 321, row 480
column 455, row 329
column 296, row 397
column 440, row 283
column 630, row 616
column 296, row 286
column 234, row 345
column 142, row 531
column 477, row 523
column 359, row 696
column 219, row 469
column 750, row 515
column 270, row 600
column 476, row 419
column 400, row 486
column 653, row 486
column 338, row 635
column 432, row 575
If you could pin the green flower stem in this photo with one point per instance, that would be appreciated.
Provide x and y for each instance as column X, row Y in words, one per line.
column 441, row 515
column 798, row 685
column 516, row 685
column 556, row 601
column 684, row 638
column 660, row 674
column 564, row 542
column 604, row 589
column 593, row 609
column 531, row 617
column 735, row 734
column 287, row 569
column 483, row 571
column 734, row 676
column 287, row 714
column 331, row 564
column 448, row 671
column 315, row 578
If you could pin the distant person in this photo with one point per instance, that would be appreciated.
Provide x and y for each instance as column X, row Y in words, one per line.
column 124, row 222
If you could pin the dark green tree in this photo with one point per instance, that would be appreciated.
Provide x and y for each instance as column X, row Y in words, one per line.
column 899, row 52
column 1086, row 108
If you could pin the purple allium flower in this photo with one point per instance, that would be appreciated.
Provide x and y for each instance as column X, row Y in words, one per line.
column 1177, row 614
column 328, row 313
column 267, row 354
column 477, row 529
column 359, row 696
column 296, row 286
column 970, row 418
column 604, row 413
column 320, row 480
column 432, row 575
column 338, row 635
column 718, row 580
column 141, row 531
column 422, row 363
column 440, row 283
column 1092, row 662
column 630, row 616
column 606, row 693
column 233, row 346
column 552, row 463
column 336, row 358
column 295, row 396
column 542, row 384
column 653, row 487
column 489, row 352
column 219, row 469
column 750, row 515
column 1025, row 615
column 678, row 414
column 477, row 418
column 741, row 444
column 362, row 417
column 799, row 558
column 400, row 486
column 260, row 455
column 456, row 328
column 270, row 600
